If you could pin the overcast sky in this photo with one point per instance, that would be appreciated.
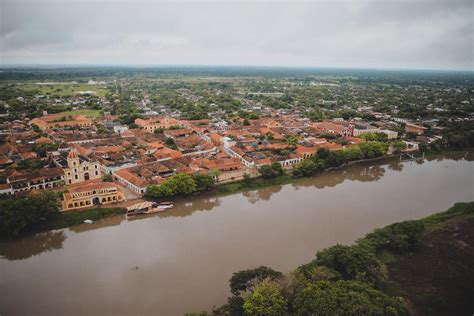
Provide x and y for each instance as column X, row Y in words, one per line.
column 376, row 34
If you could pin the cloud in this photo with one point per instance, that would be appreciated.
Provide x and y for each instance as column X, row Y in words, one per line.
column 395, row 34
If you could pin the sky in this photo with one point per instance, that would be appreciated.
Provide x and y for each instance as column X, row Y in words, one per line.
column 406, row 34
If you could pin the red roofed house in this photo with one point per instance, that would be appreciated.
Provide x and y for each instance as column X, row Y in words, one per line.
column 90, row 193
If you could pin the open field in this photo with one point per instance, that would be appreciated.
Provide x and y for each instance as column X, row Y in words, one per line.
column 85, row 112
column 63, row 89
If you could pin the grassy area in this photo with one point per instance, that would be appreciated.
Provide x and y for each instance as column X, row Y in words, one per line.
column 437, row 278
column 84, row 112
column 71, row 218
column 64, row 89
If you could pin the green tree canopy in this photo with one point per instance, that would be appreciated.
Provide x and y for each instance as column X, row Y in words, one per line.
column 178, row 184
column 346, row 298
column 244, row 280
column 20, row 214
column 203, row 181
column 265, row 299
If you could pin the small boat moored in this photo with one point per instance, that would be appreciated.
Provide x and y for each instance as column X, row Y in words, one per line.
column 148, row 208
column 88, row 221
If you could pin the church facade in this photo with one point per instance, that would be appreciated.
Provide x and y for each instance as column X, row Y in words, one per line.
column 79, row 170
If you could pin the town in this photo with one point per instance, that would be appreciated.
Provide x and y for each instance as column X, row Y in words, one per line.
column 122, row 140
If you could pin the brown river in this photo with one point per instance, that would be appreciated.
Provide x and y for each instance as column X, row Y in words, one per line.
column 180, row 261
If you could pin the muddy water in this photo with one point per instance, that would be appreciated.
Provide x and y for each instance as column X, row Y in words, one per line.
column 180, row 261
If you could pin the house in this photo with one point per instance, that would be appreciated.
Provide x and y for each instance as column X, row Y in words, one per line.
column 60, row 120
column 131, row 181
column 334, row 128
column 90, row 193
column 151, row 124
column 409, row 127
column 46, row 178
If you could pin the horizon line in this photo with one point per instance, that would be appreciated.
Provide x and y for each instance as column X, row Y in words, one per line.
column 138, row 65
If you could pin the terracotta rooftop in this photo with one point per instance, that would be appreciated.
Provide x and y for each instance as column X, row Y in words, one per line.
column 90, row 186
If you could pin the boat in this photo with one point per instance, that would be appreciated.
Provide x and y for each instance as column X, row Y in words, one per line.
column 148, row 208
column 88, row 221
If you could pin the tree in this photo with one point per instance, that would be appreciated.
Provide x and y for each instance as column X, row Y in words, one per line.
column 169, row 142
column 308, row 167
column 43, row 148
column 374, row 136
column 350, row 262
column 158, row 130
column 399, row 146
column 277, row 168
column 265, row 299
column 459, row 135
column 247, row 179
column 30, row 164
column 20, row 214
column 399, row 237
column 246, row 122
column 178, row 184
column 246, row 279
column 323, row 153
column 253, row 116
column 316, row 115
column 346, row 298
column 292, row 140
column 107, row 178
column 203, row 181
column 372, row 149
column 271, row 171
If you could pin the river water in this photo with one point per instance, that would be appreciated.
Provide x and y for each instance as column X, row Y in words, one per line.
column 180, row 261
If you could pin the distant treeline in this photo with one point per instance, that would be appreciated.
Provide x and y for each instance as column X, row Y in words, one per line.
column 64, row 72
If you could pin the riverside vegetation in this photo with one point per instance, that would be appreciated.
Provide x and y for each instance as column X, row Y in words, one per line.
column 40, row 212
column 401, row 269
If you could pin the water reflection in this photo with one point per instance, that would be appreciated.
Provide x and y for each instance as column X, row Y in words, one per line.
column 29, row 246
column 467, row 156
column 395, row 166
column 362, row 173
column 198, row 203
column 105, row 222
column 263, row 194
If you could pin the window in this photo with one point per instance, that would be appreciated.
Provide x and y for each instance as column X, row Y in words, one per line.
column 96, row 173
column 75, row 176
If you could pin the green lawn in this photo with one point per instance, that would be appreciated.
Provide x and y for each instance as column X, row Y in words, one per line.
column 65, row 89
column 85, row 112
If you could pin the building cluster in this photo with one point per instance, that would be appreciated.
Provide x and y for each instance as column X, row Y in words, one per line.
column 94, row 167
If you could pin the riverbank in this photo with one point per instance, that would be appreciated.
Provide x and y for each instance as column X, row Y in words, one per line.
column 280, row 226
column 76, row 217
column 420, row 267
column 72, row 218
column 260, row 183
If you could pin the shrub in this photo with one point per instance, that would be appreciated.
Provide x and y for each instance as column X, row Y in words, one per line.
column 399, row 237
column 265, row 299
column 244, row 280
column 350, row 262
column 346, row 298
